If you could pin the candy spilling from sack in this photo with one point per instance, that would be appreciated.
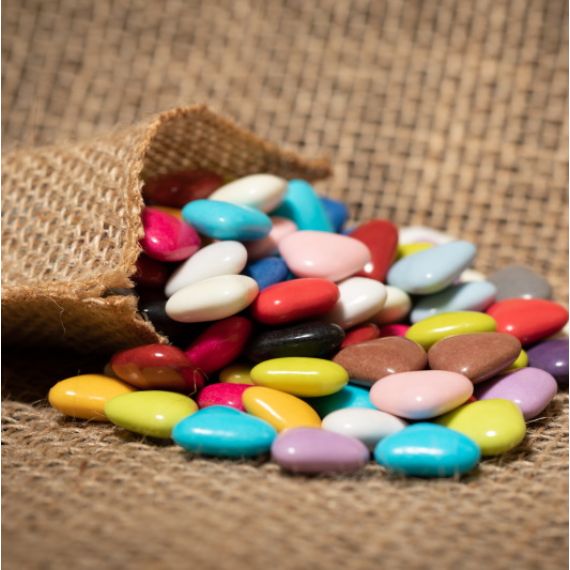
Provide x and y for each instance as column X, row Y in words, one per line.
column 321, row 345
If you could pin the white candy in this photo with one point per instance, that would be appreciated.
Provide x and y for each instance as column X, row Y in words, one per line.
column 220, row 258
column 360, row 300
column 262, row 191
column 415, row 234
column 470, row 275
column 368, row 425
column 397, row 306
column 212, row 299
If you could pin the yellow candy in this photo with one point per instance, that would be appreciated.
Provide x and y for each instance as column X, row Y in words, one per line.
column 85, row 396
column 406, row 249
column 520, row 362
column 236, row 374
column 172, row 211
column 300, row 376
column 279, row 409
column 496, row 426
column 432, row 329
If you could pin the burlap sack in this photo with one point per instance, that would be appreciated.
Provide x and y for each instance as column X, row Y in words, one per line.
column 447, row 113
column 71, row 223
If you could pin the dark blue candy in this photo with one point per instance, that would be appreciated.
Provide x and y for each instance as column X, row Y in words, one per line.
column 267, row 271
column 336, row 211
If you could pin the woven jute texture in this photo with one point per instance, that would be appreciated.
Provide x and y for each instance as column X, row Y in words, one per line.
column 446, row 113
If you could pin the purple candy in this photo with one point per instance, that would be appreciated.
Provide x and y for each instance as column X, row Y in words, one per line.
column 531, row 389
column 312, row 450
column 552, row 357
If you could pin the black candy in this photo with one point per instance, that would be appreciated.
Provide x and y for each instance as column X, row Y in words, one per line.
column 313, row 339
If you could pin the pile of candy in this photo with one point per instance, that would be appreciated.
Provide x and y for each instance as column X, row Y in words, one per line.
column 347, row 342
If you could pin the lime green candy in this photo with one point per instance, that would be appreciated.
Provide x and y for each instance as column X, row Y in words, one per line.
column 300, row 376
column 495, row 425
column 520, row 362
column 428, row 331
column 150, row 412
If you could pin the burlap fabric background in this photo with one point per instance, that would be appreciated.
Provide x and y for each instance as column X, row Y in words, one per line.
column 451, row 114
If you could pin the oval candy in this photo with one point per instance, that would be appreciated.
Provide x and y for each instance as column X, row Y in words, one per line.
column 367, row 362
column 295, row 300
column 405, row 249
column 311, row 451
column 236, row 374
column 149, row 412
column 300, row 376
column 427, row 332
column 225, row 221
column 279, row 409
column 219, row 431
column 552, row 357
column 359, row 300
column 262, row 191
column 530, row 320
column 395, row 329
column 348, row 397
column 336, row 211
column 396, row 307
column 151, row 273
column 212, row 299
column 323, row 254
column 269, row 245
column 530, row 389
column 421, row 395
column 361, row 333
column 520, row 362
column 518, row 281
column 496, row 426
column 267, row 271
column 85, row 396
column 367, row 425
column 432, row 270
column 219, row 258
column 478, row 356
column 223, row 394
column 428, row 450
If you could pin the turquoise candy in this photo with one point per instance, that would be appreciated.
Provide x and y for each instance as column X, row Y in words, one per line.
column 222, row 220
column 302, row 205
column 219, row 431
column 431, row 270
column 473, row 296
column 427, row 450
column 349, row 397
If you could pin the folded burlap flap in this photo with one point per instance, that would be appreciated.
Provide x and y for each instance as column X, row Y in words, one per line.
column 71, row 222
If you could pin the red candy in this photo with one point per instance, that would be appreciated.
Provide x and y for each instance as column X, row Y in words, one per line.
column 360, row 334
column 530, row 320
column 176, row 190
column 381, row 238
column 167, row 238
column 220, row 344
column 295, row 300
column 393, row 330
column 157, row 366
column 151, row 273
column 224, row 394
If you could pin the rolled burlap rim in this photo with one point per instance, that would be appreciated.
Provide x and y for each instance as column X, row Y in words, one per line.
column 71, row 222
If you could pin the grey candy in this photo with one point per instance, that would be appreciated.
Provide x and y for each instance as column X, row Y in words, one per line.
column 517, row 281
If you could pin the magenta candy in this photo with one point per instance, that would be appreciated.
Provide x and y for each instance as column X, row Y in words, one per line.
column 393, row 330
column 531, row 389
column 167, row 238
column 313, row 450
column 223, row 394
column 220, row 344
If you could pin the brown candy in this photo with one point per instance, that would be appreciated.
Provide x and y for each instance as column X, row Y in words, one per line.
column 478, row 356
column 375, row 359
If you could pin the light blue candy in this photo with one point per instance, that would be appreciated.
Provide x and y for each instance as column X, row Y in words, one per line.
column 222, row 220
column 432, row 270
column 428, row 450
column 267, row 271
column 337, row 212
column 349, row 397
column 302, row 205
column 473, row 296
column 219, row 431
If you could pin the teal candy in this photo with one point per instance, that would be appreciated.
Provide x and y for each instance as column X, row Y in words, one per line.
column 428, row 450
column 302, row 205
column 219, row 431
column 474, row 296
column 432, row 270
column 222, row 220
column 349, row 397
